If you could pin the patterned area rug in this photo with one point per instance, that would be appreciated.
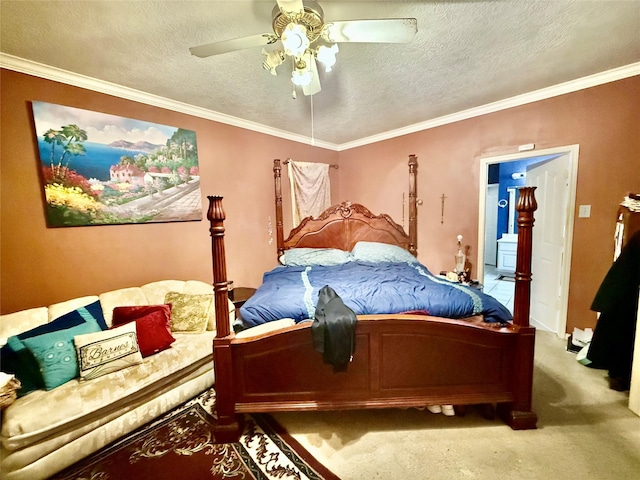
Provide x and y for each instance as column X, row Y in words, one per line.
column 180, row 445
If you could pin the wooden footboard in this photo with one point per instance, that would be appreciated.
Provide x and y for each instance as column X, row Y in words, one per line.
column 400, row 361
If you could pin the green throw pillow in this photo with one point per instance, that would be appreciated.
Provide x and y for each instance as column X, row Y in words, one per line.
column 189, row 312
column 55, row 353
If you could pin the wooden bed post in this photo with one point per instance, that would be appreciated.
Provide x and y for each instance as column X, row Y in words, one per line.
column 413, row 207
column 227, row 428
column 518, row 414
column 277, row 177
column 525, row 207
column 216, row 217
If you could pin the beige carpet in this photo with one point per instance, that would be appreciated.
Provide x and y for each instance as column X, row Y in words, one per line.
column 585, row 432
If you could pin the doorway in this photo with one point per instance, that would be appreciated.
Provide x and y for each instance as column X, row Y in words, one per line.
column 551, row 219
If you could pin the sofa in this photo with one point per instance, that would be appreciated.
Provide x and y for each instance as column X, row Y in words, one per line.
column 48, row 429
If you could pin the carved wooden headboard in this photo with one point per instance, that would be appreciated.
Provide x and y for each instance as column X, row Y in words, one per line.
column 343, row 225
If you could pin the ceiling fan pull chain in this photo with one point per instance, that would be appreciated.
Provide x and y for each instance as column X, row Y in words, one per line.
column 313, row 138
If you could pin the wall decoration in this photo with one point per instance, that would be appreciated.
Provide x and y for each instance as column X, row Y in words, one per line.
column 100, row 169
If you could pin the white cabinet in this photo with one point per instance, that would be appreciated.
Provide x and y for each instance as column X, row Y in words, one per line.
column 507, row 247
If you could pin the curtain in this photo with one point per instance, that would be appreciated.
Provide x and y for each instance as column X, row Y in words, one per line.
column 310, row 189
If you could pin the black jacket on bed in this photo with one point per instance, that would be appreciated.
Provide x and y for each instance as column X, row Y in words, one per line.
column 333, row 329
column 611, row 347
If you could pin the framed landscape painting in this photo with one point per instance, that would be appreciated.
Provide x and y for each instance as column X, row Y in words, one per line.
column 100, row 169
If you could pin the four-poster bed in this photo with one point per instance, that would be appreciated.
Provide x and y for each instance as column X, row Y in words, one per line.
column 401, row 360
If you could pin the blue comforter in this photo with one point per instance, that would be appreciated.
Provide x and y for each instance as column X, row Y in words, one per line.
column 366, row 288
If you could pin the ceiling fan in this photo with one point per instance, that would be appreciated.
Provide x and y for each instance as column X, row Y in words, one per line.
column 301, row 34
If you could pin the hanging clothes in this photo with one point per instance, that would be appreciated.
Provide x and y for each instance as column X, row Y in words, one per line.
column 310, row 189
column 334, row 330
column 613, row 339
column 628, row 221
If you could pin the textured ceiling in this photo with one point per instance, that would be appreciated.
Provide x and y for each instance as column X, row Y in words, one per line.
column 465, row 54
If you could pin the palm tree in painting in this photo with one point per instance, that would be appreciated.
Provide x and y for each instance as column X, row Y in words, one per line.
column 74, row 136
column 54, row 137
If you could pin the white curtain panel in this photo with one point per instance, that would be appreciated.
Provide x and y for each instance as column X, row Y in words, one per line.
column 310, row 189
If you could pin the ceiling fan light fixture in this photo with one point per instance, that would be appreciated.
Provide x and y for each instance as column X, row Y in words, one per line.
column 294, row 39
column 299, row 25
column 301, row 75
column 301, row 78
column 327, row 55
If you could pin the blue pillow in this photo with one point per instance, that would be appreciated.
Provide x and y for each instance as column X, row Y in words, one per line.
column 55, row 353
column 93, row 311
column 376, row 252
column 17, row 359
column 302, row 257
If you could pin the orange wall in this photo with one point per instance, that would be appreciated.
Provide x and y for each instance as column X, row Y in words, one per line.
column 603, row 120
column 40, row 266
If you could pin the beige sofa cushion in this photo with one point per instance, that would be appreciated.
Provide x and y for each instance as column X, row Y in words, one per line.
column 156, row 291
column 18, row 322
column 122, row 297
column 59, row 309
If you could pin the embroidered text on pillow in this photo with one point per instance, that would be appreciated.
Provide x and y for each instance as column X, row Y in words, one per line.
column 105, row 351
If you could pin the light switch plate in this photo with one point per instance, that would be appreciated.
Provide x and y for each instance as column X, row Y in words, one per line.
column 584, row 211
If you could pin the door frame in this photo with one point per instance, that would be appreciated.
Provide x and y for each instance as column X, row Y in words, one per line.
column 573, row 152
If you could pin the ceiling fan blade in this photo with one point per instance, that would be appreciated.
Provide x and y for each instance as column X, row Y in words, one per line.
column 225, row 46
column 289, row 7
column 314, row 86
column 391, row 30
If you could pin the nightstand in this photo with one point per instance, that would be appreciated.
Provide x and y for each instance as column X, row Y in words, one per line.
column 239, row 295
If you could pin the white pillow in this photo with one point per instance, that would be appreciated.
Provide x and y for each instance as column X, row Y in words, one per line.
column 302, row 257
column 107, row 351
column 376, row 252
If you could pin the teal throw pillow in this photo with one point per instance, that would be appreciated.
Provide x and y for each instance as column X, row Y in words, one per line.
column 55, row 353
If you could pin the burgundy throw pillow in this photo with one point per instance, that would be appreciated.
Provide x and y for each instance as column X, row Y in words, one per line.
column 122, row 315
column 153, row 328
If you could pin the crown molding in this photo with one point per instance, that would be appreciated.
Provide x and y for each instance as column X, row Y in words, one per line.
column 531, row 97
column 29, row 67
column 48, row 72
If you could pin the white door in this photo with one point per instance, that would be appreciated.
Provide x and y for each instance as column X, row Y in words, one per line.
column 552, row 194
column 491, row 225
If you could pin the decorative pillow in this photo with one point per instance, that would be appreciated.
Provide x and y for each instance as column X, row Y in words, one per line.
column 122, row 315
column 92, row 311
column 105, row 352
column 153, row 328
column 56, row 354
column 315, row 256
column 189, row 312
column 17, row 359
column 376, row 252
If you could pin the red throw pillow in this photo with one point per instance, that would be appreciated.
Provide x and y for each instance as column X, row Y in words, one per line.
column 153, row 328
column 122, row 315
